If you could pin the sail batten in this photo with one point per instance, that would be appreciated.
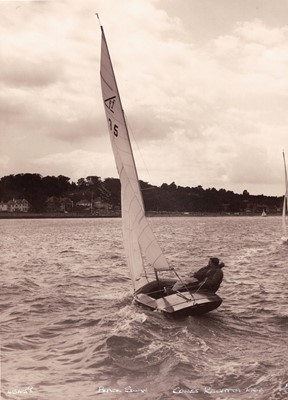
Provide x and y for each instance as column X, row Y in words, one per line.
column 139, row 239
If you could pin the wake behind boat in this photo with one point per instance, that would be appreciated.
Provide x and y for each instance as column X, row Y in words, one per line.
column 139, row 241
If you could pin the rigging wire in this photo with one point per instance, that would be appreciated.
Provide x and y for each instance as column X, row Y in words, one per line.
column 146, row 169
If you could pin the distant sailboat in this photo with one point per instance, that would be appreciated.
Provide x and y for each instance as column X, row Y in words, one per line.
column 263, row 213
column 285, row 205
column 140, row 243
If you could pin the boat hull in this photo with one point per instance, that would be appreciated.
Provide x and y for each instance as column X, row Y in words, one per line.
column 181, row 304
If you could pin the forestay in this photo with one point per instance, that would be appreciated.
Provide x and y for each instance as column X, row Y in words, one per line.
column 138, row 237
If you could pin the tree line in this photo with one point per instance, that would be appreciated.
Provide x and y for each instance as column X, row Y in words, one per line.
column 36, row 189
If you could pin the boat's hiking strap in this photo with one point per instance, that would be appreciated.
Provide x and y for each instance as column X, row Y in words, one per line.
column 164, row 269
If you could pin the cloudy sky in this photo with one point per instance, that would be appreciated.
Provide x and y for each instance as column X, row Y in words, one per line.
column 204, row 85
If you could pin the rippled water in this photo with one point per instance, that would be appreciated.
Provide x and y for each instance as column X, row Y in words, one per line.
column 70, row 331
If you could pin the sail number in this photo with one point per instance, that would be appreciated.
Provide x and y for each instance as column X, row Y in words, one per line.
column 113, row 127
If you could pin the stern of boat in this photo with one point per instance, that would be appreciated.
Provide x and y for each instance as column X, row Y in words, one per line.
column 181, row 303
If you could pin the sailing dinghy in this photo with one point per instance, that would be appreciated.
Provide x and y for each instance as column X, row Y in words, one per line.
column 285, row 205
column 140, row 243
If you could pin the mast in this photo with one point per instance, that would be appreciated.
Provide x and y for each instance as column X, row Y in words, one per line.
column 139, row 240
column 125, row 123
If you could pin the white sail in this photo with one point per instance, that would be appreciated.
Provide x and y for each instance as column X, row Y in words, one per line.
column 285, row 203
column 139, row 239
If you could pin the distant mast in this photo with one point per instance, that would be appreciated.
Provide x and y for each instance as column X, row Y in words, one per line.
column 285, row 205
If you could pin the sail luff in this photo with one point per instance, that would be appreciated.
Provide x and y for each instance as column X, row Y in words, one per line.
column 129, row 150
column 122, row 112
column 138, row 237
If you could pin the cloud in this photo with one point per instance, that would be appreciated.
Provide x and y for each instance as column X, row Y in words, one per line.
column 194, row 106
column 4, row 161
column 28, row 74
column 257, row 32
column 78, row 164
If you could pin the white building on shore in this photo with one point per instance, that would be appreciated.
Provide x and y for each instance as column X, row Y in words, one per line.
column 15, row 205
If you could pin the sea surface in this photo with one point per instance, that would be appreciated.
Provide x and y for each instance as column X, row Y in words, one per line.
column 70, row 331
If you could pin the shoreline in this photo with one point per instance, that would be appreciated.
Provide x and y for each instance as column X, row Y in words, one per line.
column 21, row 215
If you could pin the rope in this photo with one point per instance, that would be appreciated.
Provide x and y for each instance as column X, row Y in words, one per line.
column 185, row 286
column 201, row 285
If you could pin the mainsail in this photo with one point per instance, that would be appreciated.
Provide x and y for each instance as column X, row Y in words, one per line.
column 139, row 240
column 285, row 203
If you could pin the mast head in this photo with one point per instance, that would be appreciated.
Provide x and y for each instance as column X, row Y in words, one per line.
column 97, row 15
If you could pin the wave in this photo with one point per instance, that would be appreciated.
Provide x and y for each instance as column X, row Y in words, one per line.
column 69, row 324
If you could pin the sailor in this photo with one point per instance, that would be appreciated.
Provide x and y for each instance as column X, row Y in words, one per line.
column 209, row 278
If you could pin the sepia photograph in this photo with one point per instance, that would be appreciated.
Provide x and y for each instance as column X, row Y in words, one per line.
column 143, row 199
